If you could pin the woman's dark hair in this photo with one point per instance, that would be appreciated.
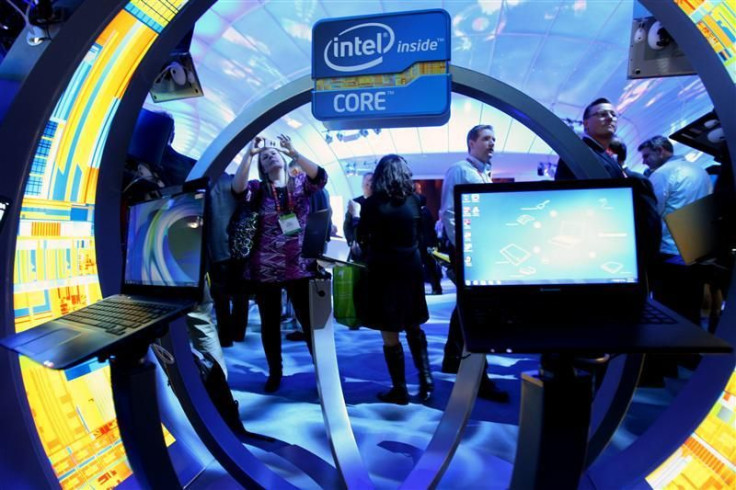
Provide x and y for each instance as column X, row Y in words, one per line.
column 392, row 178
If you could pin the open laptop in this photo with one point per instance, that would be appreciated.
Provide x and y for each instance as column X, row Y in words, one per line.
column 163, row 277
column 696, row 229
column 557, row 266
column 316, row 232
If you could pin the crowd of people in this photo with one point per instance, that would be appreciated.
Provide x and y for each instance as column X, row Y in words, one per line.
column 389, row 228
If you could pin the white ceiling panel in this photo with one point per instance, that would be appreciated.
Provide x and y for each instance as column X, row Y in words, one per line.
column 563, row 53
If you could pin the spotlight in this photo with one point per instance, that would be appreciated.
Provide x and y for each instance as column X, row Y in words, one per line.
column 178, row 78
column 328, row 138
column 364, row 132
column 340, row 136
column 377, row 130
column 36, row 35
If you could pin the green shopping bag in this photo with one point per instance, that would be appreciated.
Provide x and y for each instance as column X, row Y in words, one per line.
column 344, row 284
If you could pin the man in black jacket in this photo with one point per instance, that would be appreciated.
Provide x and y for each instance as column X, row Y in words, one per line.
column 600, row 121
column 352, row 216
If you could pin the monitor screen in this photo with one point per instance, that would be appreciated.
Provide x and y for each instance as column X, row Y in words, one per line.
column 164, row 241
column 559, row 236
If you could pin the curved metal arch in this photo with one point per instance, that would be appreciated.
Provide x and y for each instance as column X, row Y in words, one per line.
column 23, row 149
column 467, row 82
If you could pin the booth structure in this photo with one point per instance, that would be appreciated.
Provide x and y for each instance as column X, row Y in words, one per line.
column 67, row 113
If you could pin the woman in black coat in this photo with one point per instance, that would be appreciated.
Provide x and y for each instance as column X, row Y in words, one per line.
column 389, row 235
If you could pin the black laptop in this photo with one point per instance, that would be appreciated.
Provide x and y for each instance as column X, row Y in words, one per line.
column 557, row 266
column 316, row 232
column 163, row 277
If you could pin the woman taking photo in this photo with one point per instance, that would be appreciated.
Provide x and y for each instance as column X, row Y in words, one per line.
column 389, row 234
column 275, row 263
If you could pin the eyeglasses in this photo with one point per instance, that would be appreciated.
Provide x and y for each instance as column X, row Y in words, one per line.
column 604, row 114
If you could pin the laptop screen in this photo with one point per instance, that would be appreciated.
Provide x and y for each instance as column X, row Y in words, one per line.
column 316, row 233
column 164, row 241
column 537, row 234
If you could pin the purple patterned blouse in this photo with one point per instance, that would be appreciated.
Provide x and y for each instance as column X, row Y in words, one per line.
column 276, row 257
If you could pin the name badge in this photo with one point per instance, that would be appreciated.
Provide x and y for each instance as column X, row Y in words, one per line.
column 289, row 224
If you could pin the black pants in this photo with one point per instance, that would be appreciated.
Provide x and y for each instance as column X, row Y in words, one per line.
column 679, row 287
column 268, row 297
column 230, row 297
column 455, row 343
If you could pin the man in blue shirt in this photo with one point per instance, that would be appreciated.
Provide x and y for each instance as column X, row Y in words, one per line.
column 676, row 183
column 474, row 169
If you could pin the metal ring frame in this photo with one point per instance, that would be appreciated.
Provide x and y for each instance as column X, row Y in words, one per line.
column 69, row 47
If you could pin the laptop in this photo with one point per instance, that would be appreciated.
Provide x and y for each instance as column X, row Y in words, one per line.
column 316, row 232
column 556, row 266
column 162, row 278
column 696, row 229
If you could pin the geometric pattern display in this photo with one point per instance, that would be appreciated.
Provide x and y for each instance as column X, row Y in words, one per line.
column 56, row 259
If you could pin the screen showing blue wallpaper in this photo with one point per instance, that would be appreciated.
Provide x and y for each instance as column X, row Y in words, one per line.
column 164, row 243
column 572, row 236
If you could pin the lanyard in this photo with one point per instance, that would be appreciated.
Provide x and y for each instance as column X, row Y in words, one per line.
column 278, row 201
column 483, row 176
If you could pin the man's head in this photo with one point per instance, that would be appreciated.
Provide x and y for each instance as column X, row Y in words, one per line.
column 294, row 168
column 367, row 184
column 600, row 120
column 481, row 140
column 655, row 151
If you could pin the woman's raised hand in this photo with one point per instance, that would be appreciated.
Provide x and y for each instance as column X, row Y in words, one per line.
column 288, row 146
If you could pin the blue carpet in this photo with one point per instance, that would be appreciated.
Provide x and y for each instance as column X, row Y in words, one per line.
column 391, row 438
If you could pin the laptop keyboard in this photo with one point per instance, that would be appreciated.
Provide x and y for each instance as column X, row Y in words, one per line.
column 118, row 316
column 654, row 316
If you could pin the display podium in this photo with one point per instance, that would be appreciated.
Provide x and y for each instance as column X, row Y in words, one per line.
column 556, row 406
column 133, row 380
column 133, row 383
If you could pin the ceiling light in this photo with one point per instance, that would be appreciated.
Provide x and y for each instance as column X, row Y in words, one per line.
column 328, row 138
column 340, row 136
column 292, row 123
column 36, row 35
column 363, row 132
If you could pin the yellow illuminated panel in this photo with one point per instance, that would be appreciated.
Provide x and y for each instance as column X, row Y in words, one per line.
column 55, row 258
column 716, row 20
column 707, row 460
column 386, row 80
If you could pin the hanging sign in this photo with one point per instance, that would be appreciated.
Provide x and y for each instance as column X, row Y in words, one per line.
column 389, row 70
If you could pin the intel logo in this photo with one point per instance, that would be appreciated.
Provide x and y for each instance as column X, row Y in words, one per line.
column 365, row 42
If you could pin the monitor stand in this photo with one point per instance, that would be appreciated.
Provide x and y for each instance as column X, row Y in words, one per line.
column 553, row 425
column 133, row 380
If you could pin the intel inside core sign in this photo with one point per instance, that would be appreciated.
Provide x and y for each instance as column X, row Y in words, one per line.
column 382, row 70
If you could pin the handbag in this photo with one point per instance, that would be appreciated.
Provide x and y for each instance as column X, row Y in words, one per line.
column 243, row 226
column 345, row 285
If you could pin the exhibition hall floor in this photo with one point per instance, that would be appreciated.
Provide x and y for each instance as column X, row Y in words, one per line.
column 390, row 437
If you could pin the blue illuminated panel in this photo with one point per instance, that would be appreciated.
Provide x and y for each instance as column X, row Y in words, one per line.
column 386, row 70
